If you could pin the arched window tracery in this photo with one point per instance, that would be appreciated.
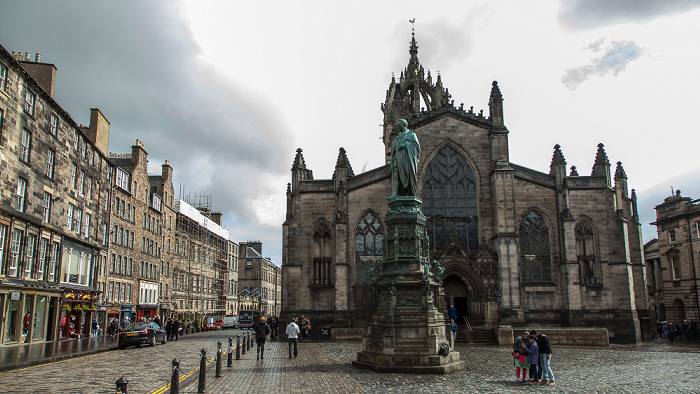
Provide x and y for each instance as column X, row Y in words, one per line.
column 586, row 252
column 535, row 249
column 369, row 246
column 322, row 252
column 450, row 200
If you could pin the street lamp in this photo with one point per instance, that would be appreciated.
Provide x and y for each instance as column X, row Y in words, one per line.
column 498, row 301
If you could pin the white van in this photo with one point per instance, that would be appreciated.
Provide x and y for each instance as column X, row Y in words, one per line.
column 230, row 321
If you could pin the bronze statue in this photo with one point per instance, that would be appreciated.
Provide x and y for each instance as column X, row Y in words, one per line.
column 404, row 162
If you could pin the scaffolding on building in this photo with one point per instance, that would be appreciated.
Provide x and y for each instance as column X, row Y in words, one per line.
column 202, row 249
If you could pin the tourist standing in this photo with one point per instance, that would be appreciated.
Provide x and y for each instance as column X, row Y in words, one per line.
column 176, row 329
column 452, row 313
column 302, row 327
column 671, row 331
column 95, row 328
column 292, row 332
column 686, row 330
column 544, row 371
column 659, row 329
column 262, row 330
column 519, row 359
column 533, row 357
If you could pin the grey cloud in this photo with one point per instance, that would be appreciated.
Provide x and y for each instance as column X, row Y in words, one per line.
column 136, row 62
column 595, row 45
column 615, row 59
column 593, row 13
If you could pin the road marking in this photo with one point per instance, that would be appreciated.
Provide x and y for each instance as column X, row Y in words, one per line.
column 190, row 373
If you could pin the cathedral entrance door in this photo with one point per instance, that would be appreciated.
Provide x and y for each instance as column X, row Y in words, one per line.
column 461, row 305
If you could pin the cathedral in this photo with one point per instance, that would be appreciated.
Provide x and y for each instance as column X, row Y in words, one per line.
column 519, row 247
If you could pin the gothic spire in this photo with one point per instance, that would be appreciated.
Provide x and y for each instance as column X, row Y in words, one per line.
column 601, row 167
column 496, row 108
column 558, row 157
column 619, row 171
column 343, row 162
column 573, row 171
column 299, row 162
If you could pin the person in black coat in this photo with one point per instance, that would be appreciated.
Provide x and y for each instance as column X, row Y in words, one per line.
column 262, row 330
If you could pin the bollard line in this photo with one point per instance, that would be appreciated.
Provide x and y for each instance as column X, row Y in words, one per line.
column 185, row 376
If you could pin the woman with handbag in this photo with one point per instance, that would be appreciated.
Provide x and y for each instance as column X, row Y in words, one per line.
column 520, row 356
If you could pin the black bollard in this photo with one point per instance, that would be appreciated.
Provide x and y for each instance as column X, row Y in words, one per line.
column 229, row 362
column 201, row 388
column 175, row 380
column 242, row 344
column 121, row 384
column 218, row 359
column 238, row 347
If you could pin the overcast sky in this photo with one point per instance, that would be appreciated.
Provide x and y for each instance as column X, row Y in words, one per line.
column 228, row 90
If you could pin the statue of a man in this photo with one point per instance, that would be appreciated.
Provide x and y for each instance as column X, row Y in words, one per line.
column 404, row 162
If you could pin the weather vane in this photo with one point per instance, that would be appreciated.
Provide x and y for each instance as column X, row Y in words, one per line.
column 413, row 30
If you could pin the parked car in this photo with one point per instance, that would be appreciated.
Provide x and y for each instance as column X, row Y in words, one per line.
column 141, row 333
column 230, row 321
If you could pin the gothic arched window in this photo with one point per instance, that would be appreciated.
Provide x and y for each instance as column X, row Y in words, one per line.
column 449, row 200
column 535, row 251
column 369, row 246
column 322, row 250
column 586, row 252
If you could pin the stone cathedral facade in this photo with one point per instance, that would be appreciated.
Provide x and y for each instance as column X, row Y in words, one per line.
column 533, row 248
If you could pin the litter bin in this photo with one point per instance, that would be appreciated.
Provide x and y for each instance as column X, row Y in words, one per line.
column 324, row 333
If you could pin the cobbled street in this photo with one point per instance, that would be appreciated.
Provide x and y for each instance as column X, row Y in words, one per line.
column 325, row 367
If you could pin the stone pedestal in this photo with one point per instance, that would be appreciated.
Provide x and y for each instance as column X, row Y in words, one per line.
column 406, row 328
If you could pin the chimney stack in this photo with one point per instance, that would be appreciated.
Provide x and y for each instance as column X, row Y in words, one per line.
column 20, row 56
column 27, row 57
column 37, row 58
column 14, row 55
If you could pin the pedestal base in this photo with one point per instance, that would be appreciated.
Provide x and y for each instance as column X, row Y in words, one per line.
column 434, row 364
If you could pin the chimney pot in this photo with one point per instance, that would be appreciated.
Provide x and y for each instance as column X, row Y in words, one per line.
column 37, row 58
column 20, row 56
column 14, row 55
column 27, row 57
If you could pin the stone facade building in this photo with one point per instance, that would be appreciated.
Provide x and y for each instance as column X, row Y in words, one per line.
column 674, row 259
column 200, row 263
column 231, row 279
column 260, row 280
column 543, row 248
column 137, row 233
column 54, row 213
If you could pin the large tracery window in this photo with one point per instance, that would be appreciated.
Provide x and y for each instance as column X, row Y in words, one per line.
column 322, row 246
column 369, row 246
column 535, row 251
column 586, row 252
column 449, row 200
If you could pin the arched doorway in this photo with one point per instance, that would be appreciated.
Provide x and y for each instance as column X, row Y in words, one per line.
column 462, row 292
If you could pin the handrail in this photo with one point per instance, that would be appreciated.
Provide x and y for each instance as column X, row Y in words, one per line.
column 469, row 326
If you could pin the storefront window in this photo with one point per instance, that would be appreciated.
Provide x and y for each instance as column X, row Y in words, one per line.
column 40, row 317
column 27, row 317
column 11, row 324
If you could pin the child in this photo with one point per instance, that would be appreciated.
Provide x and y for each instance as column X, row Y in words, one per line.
column 453, row 328
column 533, row 356
column 519, row 359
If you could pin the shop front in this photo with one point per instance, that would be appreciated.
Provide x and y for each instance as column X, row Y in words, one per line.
column 146, row 311
column 29, row 315
column 101, row 316
column 126, row 313
column 77, row 314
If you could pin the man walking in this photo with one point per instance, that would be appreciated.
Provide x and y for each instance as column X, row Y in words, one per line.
column 261, row 332
column 545, row 348
column 292, row 335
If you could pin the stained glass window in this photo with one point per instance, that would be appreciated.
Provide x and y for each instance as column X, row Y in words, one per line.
column 369, row 246
column 586, row 252
column 449, row 200
column 535, row 251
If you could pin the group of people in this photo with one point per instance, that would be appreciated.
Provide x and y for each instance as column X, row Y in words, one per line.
column 674, row 331
column 172, row 328
column 532, row 351
column 262, row 329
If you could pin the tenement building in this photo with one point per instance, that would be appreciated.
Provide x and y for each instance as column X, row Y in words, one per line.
column 54, row 208
column 676, row 258
column 231, row 279
column 137, row 234
column 554, row 248
column 260, row 280
column 199, row 264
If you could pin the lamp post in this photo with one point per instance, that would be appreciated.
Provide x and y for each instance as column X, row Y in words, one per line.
column 498, row 301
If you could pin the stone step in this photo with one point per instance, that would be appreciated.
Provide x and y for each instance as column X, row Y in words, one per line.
column 477, row 337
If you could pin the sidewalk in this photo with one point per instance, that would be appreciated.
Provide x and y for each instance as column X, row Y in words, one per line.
column 26, row 355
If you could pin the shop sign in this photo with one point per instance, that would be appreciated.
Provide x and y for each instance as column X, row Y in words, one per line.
column 15, row 295
column 30, row 291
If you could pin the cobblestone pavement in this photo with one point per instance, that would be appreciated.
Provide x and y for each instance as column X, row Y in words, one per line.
column 325, row 367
